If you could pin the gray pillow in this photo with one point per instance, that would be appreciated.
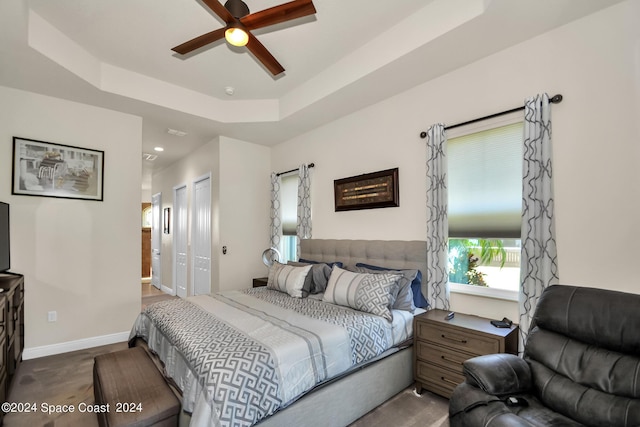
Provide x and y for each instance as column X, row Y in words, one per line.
column 372, row 293
column 404, row 299
column 316, row 281
column 287, row 278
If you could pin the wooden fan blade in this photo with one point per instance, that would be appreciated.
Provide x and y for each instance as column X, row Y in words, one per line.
column 277, row 14
column 220, row 10
column 264, row 56
column 198, row 42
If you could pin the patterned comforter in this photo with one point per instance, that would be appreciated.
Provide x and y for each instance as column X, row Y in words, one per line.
column 240, row 356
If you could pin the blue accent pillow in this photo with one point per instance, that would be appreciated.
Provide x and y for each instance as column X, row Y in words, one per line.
column 416, row 284
column 330, row 264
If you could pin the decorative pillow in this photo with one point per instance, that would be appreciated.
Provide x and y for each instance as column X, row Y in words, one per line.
column 416, row 285
column 372, row 293
column 287, row 278
column 330, row 264
column 316, row 281
column 404, row 299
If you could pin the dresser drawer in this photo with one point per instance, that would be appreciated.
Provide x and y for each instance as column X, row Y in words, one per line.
column 439, row 380
column 3, row 316
column 457, row 338
column 441, row 356
column 3, row 354
column 18, row 294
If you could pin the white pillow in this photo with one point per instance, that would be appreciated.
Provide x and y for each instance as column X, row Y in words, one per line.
column 372, row 293
column 287, row 278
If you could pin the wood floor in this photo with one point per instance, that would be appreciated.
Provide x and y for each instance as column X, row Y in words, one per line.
column 67, row 379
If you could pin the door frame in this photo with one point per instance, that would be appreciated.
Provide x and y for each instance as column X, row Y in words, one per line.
column 156, row 236
column 176, row 230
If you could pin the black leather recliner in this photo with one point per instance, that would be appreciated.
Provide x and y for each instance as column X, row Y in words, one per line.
column 581, row 366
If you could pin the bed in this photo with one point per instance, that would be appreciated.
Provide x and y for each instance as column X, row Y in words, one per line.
column 300, row 361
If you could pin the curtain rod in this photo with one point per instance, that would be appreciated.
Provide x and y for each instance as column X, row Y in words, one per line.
column 293, row 170
column 556, row 99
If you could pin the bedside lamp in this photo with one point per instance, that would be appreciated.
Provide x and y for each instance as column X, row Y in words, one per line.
column 269, row 256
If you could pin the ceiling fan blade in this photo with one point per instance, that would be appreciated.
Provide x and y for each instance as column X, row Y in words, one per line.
column 220, row 10
column 200, row 41
column 264, row 56
column 277, row 14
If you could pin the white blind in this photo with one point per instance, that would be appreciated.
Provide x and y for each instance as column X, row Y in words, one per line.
column 289, row 203
column 485, row 183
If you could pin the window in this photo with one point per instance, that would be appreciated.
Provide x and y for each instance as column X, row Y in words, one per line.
column 485, row 202
column 289, row 212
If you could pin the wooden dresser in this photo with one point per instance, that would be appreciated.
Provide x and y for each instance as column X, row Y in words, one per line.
column 11, row 329
column 440, row 346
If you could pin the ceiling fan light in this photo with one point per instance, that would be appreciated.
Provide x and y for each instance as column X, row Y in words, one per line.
column 236, row 36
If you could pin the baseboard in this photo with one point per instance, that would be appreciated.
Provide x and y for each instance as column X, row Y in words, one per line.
column 167, row 290
column 65, row 347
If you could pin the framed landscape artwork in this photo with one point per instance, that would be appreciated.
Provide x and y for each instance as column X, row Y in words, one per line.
column 367, row 191
column 47, row 169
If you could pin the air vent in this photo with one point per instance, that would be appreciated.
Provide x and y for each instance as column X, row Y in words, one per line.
column 176, row 132
column 149, row 157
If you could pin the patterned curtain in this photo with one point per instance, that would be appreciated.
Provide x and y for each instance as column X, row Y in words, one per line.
column 437, row 281
column 539, row 259
column 276, row 222
column 303, row 227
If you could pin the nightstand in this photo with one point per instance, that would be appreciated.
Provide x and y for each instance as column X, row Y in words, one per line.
column 441, row 346
column 260, row 281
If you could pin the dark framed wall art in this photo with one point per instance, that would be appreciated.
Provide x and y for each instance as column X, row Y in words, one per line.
column 166, row 221
column 47, row 169
column 367, row 191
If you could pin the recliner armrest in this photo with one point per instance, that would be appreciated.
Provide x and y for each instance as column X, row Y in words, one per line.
column 498, row 374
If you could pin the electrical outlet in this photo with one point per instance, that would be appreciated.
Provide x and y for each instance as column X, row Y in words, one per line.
column 52, row 316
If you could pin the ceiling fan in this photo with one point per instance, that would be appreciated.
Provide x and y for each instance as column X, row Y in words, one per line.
column 235, row 13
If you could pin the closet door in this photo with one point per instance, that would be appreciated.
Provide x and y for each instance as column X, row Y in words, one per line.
column 180, row 246
column 201, row 235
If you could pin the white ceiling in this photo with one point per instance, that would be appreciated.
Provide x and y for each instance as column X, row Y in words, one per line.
column 117, row 54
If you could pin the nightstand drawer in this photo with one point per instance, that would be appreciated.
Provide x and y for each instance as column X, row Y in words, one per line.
column 444, row 357
column 260, row 281
column 441, row 346
column 437, row 379
column 470, row 342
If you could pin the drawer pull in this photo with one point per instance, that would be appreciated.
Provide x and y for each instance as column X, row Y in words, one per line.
column 454, row 339
column 446, row 380
column 446, row 359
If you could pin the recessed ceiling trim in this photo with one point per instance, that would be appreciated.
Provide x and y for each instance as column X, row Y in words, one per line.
column 50, row 42
column 46, row 39
column 425, row 26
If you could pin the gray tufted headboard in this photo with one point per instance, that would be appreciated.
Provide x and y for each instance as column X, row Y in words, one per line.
column 400, row 254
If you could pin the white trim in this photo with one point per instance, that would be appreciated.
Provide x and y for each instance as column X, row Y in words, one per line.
column 156, row 235
column 65, row 347
column 482, row 291
column 168, row 290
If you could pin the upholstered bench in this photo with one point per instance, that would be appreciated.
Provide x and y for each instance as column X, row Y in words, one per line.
column 136, row 392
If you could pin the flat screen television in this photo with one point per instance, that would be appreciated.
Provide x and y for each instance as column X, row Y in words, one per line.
column 5, row 253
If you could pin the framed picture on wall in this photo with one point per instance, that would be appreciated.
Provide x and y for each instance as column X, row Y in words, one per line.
column 47, row 169
column 167, row 220
column 367, row 191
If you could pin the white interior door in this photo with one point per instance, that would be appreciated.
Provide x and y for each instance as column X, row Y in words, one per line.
column 156, row 240
column 201, row 235
column 180, row 245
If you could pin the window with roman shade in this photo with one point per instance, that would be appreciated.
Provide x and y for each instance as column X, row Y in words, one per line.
column 485, row 183
column 289, row 206
column 485, row 204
